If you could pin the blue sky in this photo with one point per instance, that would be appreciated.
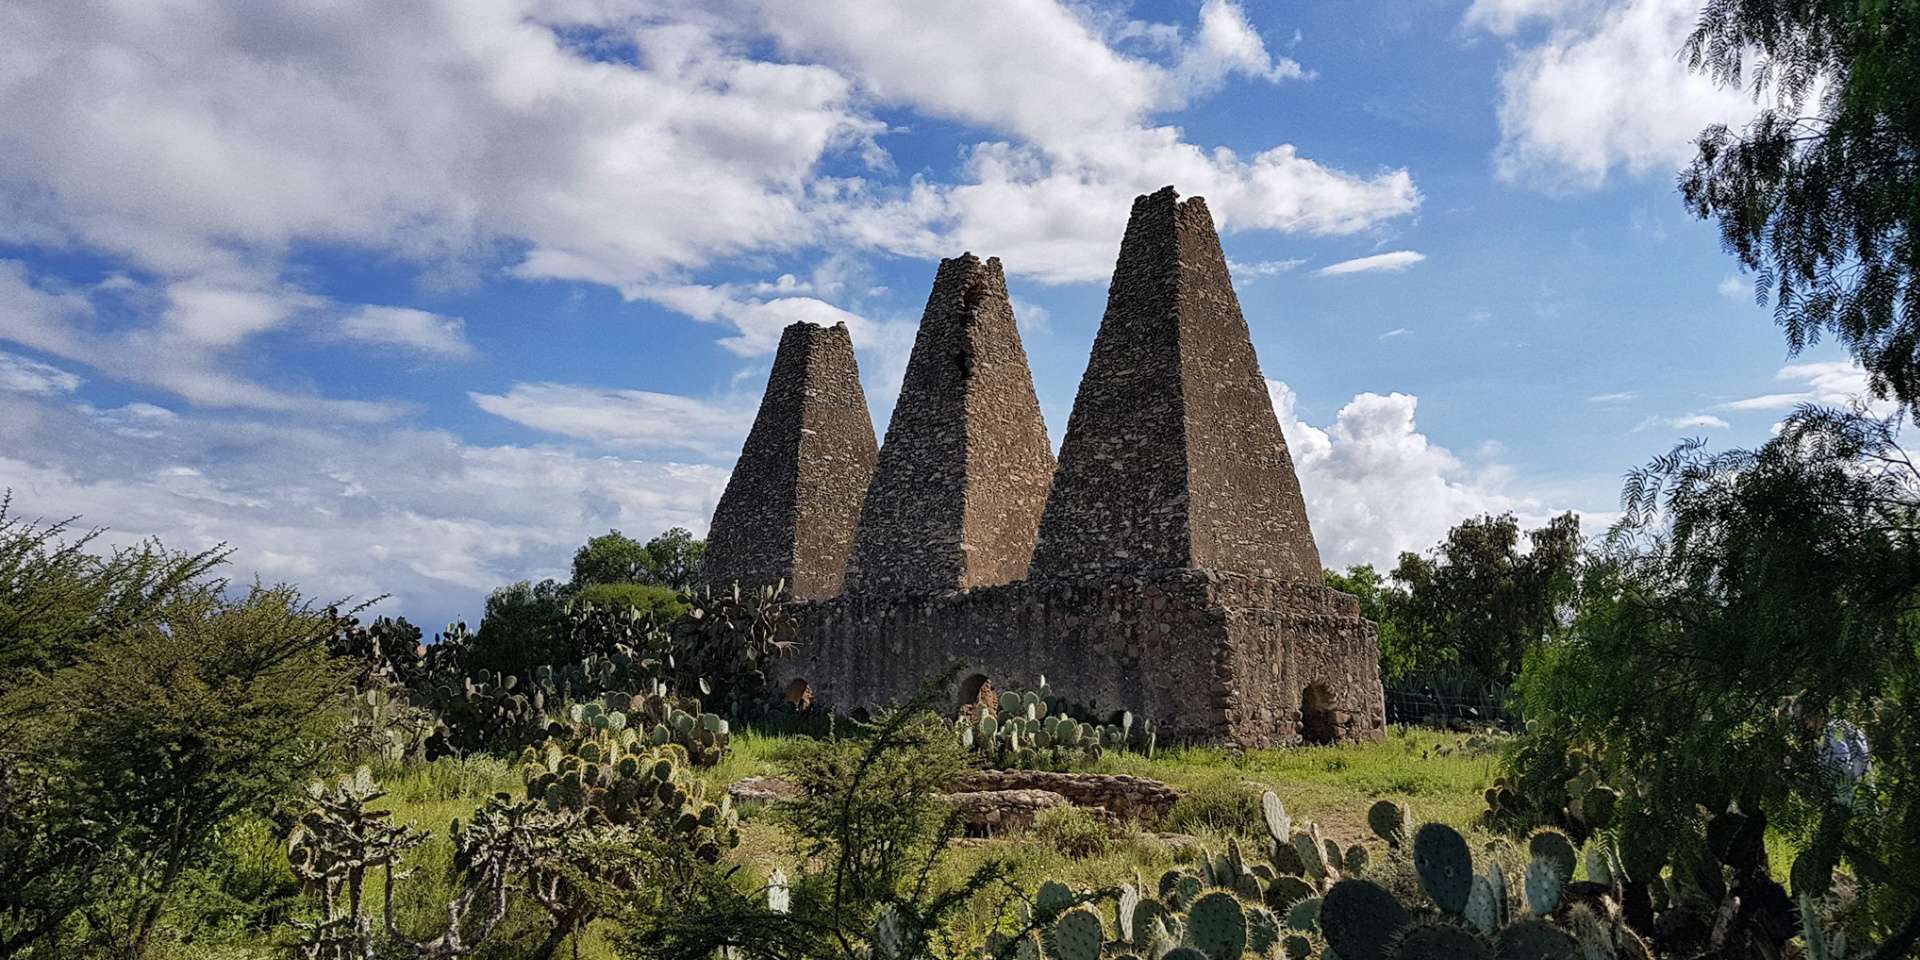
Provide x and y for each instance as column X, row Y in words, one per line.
column 411, row 299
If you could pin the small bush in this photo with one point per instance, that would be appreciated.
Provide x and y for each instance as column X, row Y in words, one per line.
column 1223, row 806
column 647, row 598
column 1073, row 831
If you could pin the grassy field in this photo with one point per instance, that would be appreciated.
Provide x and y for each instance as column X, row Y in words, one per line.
column 1440, row 775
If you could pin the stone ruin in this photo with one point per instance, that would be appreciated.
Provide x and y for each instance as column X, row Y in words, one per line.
column 1165, row 565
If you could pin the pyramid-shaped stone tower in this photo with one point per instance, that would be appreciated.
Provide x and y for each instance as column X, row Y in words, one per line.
column 1173, row 456
column 956, row 498
column 791, row 506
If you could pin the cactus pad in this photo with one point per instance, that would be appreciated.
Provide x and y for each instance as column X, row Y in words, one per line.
column 1388, row 821
column 1279, row 825
column 1077, row 935
column 1052, row 898
column 1284, row 892
column 1445, row 865
column 1360, row 918
column 1434, row 940
column 1553, row 846
column 1534, row 940
column 1218, row 926
column 1543, row 887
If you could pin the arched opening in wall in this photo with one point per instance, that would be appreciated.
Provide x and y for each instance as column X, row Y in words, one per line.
column 1317, row 725
column 975, row 692
column 799, row 694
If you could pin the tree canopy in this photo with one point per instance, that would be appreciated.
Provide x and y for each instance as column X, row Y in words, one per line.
column 1819, row 194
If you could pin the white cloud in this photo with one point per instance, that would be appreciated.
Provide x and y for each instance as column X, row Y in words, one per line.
column 1226, row 44
column 22, row 375
column 1606, row 89
column 624, row 419
column 358, row 512
column 221, row 315
column 1737, row 289
column 1691, row 421
column 1375, row 485
column 180, row 353
column 1609, row 398
column 1506, row 16
column 1261, row 268
column 1395, row 332
column 1837, row 383
column 1393, row 262
column 416, row 330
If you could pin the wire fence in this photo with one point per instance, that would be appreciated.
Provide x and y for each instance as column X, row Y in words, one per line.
column 1447, row 702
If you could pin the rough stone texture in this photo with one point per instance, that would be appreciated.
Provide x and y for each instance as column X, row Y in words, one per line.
column 1221, row 658
column 1173, row 456
column 1174, row 573
column 1125, row 797
column 988, row 812
column 956, row 497
column 793, row 502
column 749, row 790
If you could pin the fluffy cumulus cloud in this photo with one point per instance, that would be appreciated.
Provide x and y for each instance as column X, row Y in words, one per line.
column 418, row 331
column 1375, row 485
column 1602, row 88
column 413, row 513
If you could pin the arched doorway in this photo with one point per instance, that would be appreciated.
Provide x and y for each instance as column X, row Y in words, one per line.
column 1317, row 724
column 977, row 691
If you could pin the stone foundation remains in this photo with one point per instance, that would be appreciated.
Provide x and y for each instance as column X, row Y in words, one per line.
column 1166, row 566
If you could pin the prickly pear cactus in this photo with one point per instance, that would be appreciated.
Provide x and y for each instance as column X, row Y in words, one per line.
column 1543, row 887
column 1218, row 926
column 1263, row 930
column 1077, row 935
column 1554, row 847
column 1284, row 892
column 1481, row 912
column 1360, row 919
column 1434, row 940
column 1304, row 916
column 1279, row 825
column 1297, row 947
column 1052, row 898
column 1445, row 865
column 1388, row 821
column 1534, row 940
column 1123, row 910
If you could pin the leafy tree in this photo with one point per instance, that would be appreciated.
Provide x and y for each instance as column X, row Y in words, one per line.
column 167, row 730
column 1744, row 597
column 525, row 626
column 1380, row 601
column 1479, row 601
column 612, row 557
column 1820, row 193
column 675, row 559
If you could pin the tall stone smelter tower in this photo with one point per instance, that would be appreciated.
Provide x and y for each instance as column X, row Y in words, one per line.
column 1166, row 566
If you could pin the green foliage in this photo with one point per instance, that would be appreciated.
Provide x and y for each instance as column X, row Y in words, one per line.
column 1072, row 830
column 166, row 729
column 671, row 560
column 1816, row 195
column 1746, row 597
column 659, row 602
column 1480, row 602
column 524, row 627
column 726, row 641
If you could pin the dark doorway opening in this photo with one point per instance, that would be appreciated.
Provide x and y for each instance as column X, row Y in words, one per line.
column 1317, row 725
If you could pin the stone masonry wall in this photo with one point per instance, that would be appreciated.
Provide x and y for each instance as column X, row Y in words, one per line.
column 793, row 501
column 1173, row 455
column 1209, row 657
column 956, row 496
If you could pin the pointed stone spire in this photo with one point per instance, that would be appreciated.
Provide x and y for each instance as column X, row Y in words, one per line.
column 791, row 506
column 1173, row 456
column 956, row 498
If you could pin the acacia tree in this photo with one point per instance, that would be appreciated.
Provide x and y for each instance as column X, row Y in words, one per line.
column 1820, row 193
column 1743, row 593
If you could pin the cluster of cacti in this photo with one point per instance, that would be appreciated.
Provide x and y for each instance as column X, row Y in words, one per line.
column 659, row 718
column 1309, row 902
column 1581, row 804
column 1026, row 729
column 383, row 722
column 611, row 774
